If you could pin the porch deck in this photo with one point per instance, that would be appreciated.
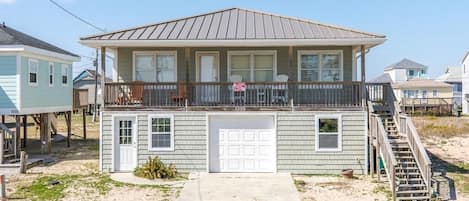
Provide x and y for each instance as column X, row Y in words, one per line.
column 256, row 96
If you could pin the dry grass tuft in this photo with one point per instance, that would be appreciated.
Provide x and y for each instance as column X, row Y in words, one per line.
column 445, row 127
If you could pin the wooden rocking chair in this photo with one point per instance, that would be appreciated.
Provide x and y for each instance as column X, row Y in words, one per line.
column 136, row 92
column 181, row 94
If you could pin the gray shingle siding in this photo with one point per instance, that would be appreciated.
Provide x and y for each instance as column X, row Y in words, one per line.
column 295, row 142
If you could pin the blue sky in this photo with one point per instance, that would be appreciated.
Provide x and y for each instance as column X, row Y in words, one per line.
column 434, row 33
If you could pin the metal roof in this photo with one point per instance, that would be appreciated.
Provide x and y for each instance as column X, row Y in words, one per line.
column 452, row 74
column 421, row 83
column 406, row 64
column 10, row 36
column 382, row 79
column 235, row 24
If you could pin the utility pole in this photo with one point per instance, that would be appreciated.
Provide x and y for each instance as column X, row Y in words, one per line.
column 95, row 109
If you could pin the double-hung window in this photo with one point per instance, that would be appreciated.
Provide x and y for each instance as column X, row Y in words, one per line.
column 161, row 135
column 252, row 66
column 155, row 66
column 51, row 74
column 64, row 75
column 320, row 65
column 328, row 133
column 33, row 72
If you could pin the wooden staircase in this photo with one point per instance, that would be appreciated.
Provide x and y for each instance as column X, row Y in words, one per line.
column 8, row 139
column 409, row 181
column 406, row 162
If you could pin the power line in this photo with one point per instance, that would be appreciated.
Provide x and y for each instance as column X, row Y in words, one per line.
column 76, row 16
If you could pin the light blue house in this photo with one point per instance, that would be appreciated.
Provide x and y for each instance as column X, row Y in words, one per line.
column 35, row 76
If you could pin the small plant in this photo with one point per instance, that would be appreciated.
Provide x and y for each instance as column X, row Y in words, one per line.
column 154, row 168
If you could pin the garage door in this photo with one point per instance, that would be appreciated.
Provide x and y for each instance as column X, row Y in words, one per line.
column 246, row 150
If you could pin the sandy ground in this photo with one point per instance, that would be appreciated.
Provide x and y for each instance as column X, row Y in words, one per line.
column 329, row 188
column 82, row 159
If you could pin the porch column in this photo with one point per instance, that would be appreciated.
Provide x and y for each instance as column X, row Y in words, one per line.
column 363, row 89
column 103, row 74
column 290, row 74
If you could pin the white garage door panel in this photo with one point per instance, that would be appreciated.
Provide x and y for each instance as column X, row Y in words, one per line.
column 246, row 150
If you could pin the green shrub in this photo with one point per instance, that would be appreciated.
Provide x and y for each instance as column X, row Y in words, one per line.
column 155, row 169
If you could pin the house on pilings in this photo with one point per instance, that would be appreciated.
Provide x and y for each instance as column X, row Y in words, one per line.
column 36, row 81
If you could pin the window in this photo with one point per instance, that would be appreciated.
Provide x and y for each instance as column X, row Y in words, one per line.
column 161, row 133
column 33, row 71
column 424, row 94
column 64, row 74
column 51, row 74
column 411, row 72
column 320, row 66
column 328, row 133
column 435, row 93
column 254, row 66
column 125, row 132
column 155, row 66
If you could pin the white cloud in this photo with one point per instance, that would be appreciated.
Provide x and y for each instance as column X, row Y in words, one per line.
column 7, row 1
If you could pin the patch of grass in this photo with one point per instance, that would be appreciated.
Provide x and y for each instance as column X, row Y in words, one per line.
column 441, row 126
column 41, row 190
column 383, row 189
column 461, row 182
column 300, row 185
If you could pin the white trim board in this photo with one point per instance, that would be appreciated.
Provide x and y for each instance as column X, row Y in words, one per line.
column 37, row 110
column 368, row 42
column 33, row 50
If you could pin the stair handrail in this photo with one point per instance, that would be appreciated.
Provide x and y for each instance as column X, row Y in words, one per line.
column 385, row 149
column 421, row 156
column 7, row 143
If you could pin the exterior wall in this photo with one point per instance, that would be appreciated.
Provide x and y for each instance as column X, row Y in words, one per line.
column 56, row 96
column 295, row 142
column 465, row 86
column 8, row 84
column 89, row 84
column 445, row 93
column 125, row 60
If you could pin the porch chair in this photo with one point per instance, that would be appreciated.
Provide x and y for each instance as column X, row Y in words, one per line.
column 181, row 94
column 136, row 92
column 238, row 96
column 280, row 91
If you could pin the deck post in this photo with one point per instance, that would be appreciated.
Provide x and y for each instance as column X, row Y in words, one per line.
column 2, row 141
column 18, row 135
column 25, row 130
column 363, row 77
column 3, row 119
column 68, row 119
column 84, row 124
column 23, row 162
column 45, row 133
column 103, row 75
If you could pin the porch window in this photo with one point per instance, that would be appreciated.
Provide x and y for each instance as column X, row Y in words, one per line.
column 320, row 65
column 125, row 132
column 328, row 133
column 155, row 66
column 435, row 93
column 252, row 66
column 161, row 133
column 33, row 70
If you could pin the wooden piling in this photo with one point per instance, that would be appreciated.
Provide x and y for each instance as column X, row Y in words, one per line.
column 23, row 162
column 84, row 124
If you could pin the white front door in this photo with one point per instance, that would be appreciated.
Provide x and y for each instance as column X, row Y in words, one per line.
column 246, row 150
column 207, row 65
column 125, row 144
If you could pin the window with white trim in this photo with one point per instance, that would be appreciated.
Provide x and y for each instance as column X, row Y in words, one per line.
column 328, row 133
column 320, row 65
column 161, row 133
column 252, row 66
column 64, row 74
column 435, row 93
column 33, row 72
column 155, row 66
column 51, row 74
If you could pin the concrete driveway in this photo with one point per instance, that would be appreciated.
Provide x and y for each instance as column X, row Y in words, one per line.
column 239, row 187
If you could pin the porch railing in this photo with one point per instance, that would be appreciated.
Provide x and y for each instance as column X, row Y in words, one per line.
column 252, row 94
column 406, row 126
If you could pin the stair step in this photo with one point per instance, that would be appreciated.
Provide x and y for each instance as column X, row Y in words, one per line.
column 412, row 192
column 408, row 163
column 411, row 185
column 414, row 198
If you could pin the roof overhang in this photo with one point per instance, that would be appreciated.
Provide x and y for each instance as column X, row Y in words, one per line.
column 367, row 42
column 37, row 51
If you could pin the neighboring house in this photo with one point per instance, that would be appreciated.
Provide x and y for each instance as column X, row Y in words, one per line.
column 35, row 80
column 406, row 70
column 235, row 91
column 35, row 76
column 86, row 80
column 423, row 91
column 453, row 76
column 465, row 84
